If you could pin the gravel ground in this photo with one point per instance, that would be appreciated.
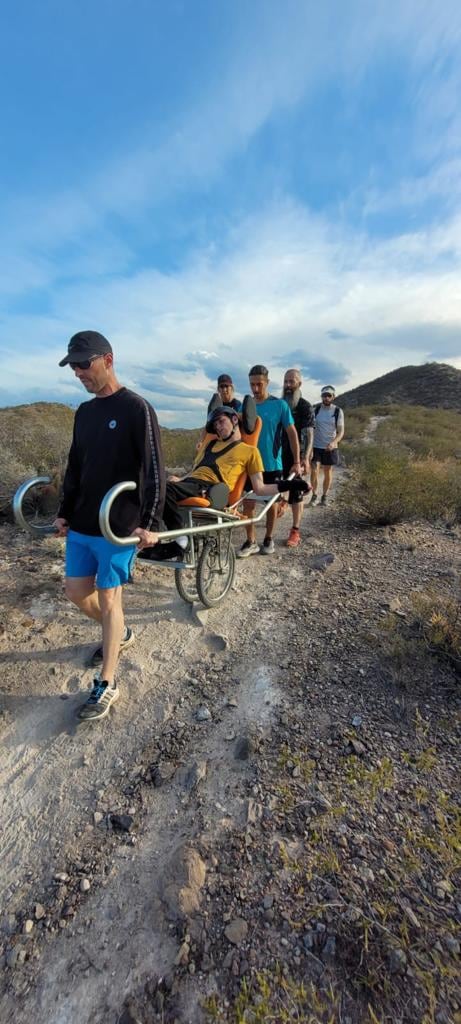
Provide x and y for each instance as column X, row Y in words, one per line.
column 267, row 825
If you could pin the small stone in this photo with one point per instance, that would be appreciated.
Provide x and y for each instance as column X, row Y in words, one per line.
column 357, row 747
column 85, row 885
column 39, row 911
column 254, row 811
column 232, row 702
column 28, row 926
column 443, row 888
column 321, row 562
column 203, row 714
column 192, row 775
column 12, row 956
column 296, row 773
column 162, row 772
column 452, row 944
column 397, row 961
column 61, row 876
column 357, row 721
column 122, row 822
column 182, row 955
column 268, row 902
column 236, row 931
column 411, row 916
column 97, row 817
column 322, row 801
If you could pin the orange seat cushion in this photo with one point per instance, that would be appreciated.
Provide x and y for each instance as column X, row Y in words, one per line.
column 198, row 502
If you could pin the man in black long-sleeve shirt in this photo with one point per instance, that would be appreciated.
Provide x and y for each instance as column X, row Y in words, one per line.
column 116, row 437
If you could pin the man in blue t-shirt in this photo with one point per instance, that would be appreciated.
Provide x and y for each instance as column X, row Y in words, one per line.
column 276, row 417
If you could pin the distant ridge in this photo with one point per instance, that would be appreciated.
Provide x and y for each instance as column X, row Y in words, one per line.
column 435, row 385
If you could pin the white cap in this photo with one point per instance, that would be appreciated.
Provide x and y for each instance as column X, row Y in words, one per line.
column 328, row 389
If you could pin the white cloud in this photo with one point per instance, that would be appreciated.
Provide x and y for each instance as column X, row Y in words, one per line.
column 283, row 279
column 288, row 281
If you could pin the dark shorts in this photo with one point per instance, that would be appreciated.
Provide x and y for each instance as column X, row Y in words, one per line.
column 326, row 458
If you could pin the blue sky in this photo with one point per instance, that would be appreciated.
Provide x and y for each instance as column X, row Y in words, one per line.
column 215, row 183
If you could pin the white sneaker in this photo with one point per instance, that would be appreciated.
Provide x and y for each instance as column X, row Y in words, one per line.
column 250, row 547
column 268, row 546
column 101, row 697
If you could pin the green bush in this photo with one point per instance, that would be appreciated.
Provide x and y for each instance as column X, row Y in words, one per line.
column 438, row 618
column 387, row 487
column 421, row 431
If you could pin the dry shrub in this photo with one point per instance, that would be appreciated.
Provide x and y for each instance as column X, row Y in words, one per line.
column 387, row 487
column 438, row 619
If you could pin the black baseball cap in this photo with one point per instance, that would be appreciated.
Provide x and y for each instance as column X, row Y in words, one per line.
column 221, row 410
column 85, row 345
column 224, row 378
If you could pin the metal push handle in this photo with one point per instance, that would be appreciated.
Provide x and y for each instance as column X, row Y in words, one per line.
column 33, row 528
column 129, row 485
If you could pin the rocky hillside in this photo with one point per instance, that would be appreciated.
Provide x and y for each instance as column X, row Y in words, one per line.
column 433, row 385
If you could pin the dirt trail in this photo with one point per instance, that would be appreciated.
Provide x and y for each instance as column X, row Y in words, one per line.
column 113, row 923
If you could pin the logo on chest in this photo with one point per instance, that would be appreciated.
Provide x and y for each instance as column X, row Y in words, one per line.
column 112, row 424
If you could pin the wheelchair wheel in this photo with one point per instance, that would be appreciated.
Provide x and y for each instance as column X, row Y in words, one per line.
column 186, row 579
column 215, row 570
column 186, row 584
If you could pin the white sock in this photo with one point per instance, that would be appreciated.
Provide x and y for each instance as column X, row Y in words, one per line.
column 183, row 542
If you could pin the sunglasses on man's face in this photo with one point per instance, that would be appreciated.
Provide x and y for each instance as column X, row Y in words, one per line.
column 326, row 394
column 84, row 364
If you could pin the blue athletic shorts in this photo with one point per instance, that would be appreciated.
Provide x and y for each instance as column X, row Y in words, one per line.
column 95, row 556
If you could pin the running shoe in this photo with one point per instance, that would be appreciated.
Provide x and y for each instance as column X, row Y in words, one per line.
column 268, row 546
column 324, row 500
column 250, row 547
column 293, row 538
column 101, row 697
column 314, row 498
column 97, row 656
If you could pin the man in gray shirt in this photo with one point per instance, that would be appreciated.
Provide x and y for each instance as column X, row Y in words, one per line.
column 328, row 432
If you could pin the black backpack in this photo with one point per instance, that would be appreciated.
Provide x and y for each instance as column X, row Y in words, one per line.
column 336, row 413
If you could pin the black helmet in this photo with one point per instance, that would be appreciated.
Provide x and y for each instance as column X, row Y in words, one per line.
column 221, row 410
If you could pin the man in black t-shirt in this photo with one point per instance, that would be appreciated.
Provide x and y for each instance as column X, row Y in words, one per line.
column 115, row 438
column 303, row 415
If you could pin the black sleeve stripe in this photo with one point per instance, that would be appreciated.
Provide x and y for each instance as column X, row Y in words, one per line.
column 154, row 462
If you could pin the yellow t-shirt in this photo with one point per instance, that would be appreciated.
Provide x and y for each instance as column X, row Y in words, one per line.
column 242, row 458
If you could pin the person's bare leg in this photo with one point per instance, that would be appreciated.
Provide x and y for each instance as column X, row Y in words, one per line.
column 105, row 607
column 81, row 591
column 248, row 511
column 327, row 478
column 314, row 476
column 297, row 510
column 113, row 625
column 270, row 520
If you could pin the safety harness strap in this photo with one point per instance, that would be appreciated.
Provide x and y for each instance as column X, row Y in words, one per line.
column 210, row 458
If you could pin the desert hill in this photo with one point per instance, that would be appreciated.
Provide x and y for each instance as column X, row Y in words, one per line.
column 435, row 385
column 36, row 439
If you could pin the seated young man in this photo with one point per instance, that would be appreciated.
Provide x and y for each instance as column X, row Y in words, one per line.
column 221, row 460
